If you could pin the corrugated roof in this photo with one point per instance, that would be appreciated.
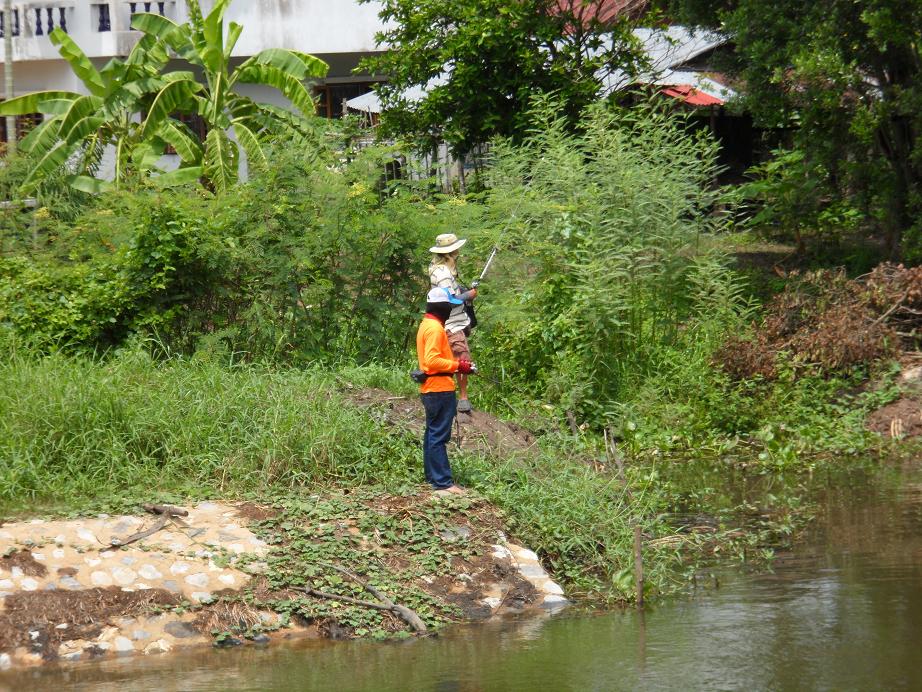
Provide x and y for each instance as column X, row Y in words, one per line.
column 667, row 50
column 587, row 11
column 692, row 96
column 706, row 86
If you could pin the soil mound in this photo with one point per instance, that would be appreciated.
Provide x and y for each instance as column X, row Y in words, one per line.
column 825, row 322
column 477, row 430
column 900, row 419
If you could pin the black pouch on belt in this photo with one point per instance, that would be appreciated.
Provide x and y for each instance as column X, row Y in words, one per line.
column 420, row 377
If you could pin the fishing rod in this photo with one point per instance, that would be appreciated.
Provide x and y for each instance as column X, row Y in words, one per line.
column 476, row 282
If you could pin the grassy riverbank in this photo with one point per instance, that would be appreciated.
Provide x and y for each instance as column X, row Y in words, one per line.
column 78, row 434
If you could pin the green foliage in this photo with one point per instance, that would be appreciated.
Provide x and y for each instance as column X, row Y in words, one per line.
column 357, row 533
column 311, row 260
column 109, row 280
column 602, row 279
column 212, row 96
column 78, row 128
column 482, row 61
column 68, row 423
column 844, row 77
column 795, row 200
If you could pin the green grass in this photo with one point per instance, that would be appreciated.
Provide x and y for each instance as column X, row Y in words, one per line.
column 101, row 434
column 78, row 433
column 72, row 427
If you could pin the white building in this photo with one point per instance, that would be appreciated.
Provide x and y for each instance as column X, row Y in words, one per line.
column 340, row 32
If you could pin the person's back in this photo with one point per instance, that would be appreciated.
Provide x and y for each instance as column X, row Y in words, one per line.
column 443, row 273
column 434, row 356
column 437, row 392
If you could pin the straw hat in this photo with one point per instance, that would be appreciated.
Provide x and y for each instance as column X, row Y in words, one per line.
column 447, row 242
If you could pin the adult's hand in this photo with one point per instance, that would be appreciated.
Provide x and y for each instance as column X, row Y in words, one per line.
column 465, row 366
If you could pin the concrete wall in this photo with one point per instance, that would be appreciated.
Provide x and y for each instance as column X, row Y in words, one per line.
column 312, row 26
column 42, row 75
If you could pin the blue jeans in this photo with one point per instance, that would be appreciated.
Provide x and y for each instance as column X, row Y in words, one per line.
column 440, row 414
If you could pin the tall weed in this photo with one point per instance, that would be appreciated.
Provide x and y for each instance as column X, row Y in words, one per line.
column 602, row 278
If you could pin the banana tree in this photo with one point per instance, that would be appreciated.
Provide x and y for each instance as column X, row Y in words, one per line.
column 203, row 44
column 77, row 128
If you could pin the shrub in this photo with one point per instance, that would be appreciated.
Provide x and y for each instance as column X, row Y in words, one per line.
column 313, row 260
column 602, row 277
column 825, row 323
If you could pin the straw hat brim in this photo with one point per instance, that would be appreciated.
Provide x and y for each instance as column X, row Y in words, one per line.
column 448, row 248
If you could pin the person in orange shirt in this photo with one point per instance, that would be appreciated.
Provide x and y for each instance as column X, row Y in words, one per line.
column 438, row 391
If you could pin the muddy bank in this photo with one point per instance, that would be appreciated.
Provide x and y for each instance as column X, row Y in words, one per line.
column 244, row 574
column 475, row 430
column 902, row 418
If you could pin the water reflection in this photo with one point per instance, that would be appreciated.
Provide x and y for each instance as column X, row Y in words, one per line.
column 841, row 613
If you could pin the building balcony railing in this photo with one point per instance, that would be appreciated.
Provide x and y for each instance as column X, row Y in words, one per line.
column 41, row 17
column 37, row 18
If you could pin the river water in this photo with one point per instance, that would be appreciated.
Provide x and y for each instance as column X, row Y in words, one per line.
column 843, row 611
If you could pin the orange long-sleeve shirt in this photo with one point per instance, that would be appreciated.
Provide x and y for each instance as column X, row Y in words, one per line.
column 434, row 355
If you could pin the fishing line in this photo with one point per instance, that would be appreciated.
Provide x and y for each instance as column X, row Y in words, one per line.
column 502, row 233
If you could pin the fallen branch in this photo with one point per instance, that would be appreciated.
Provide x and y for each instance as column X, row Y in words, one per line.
column 159, row 524
column 169, row 510
column 338, row 597
column 406, row 614
column 894, row 308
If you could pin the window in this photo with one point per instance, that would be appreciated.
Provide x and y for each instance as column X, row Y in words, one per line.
column 103, row 18
column 24, row 125
column 330, row 97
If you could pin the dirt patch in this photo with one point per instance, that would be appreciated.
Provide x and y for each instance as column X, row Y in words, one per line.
column 482, row 577
column 900, row 419
column 477, row 430
column 226, row 615
column 23, row 560
column 254, row 512
column 35, row 619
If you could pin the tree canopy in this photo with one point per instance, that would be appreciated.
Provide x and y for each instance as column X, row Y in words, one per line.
column 846, row 78
column 481, row 62
column 78, row 128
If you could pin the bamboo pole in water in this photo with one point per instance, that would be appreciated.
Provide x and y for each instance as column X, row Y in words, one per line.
column 638, row 564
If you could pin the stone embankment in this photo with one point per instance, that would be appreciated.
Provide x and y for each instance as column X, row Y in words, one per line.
column 70, row 594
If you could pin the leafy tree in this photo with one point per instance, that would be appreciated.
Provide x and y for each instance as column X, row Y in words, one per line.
column 78, row 127
column 481, row 62
column 202, row 43
column 848, row 77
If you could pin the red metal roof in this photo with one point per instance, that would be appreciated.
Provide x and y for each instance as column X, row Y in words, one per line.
column 691, row 96
column 603, row 11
